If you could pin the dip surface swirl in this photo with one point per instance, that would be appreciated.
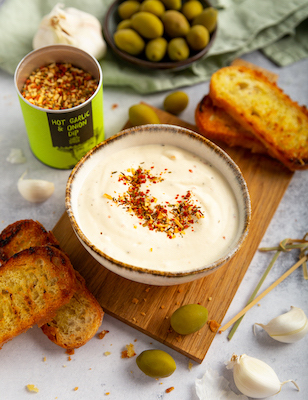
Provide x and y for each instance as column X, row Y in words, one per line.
column 158, row 207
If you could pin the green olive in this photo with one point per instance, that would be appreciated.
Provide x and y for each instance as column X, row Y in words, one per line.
column 147, row 25
column 156, row 363
column 155, row 7
column 178, row 49
column 176, row 102
column 141, row 114
column 155, row 49
column 129, row 40
column 198, row 37
column 172, row 4
column 128, row 8
column 175, row 23
column 189, row 319
column 124, row 24
column 191, row 9
column 207, row 18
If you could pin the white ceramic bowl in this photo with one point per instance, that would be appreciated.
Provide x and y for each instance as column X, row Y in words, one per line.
column 168, row 135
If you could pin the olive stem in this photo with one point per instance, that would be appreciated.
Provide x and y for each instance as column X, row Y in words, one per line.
column 237, row 323
column 273, row 285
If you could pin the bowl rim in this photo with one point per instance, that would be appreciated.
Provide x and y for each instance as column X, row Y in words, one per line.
column 141, row 62
column 169, row 274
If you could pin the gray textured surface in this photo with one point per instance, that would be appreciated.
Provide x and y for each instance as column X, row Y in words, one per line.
column 90, row 370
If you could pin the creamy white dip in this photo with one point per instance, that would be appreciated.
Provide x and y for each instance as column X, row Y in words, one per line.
column 107, row 217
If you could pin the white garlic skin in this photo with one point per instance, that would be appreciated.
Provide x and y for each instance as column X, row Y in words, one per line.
column 35, row 190
column 289, row 327
column 71, row 26
column 254, row 378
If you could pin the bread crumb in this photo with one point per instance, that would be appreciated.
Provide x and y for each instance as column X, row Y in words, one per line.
column 162, row 307
column 190, row 365
column 179, row 338
column 169, row 389
column 69, row 358
column 135, row 301
column 213, row 325
column 107, row 353
column 70, row 352
column 44, row 359
column 210, row 298
column 76, row 388
column 107, row 393
column 32, row 388
column 180, row 290
column 143, row 313
column 102, row 334
column 114, row 106
column 147, row 289
column 129, row 352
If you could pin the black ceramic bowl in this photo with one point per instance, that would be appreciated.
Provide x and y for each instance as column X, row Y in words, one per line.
column 110, row 25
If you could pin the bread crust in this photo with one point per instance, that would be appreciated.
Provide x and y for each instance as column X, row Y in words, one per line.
column 76, row 322
column 262, row 108
column 34, row 284
column 21, row 235
column 215, row 124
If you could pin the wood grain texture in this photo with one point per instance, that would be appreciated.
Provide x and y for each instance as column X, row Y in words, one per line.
column 148, row 308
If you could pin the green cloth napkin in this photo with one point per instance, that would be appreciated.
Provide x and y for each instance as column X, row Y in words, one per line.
column 277, row 27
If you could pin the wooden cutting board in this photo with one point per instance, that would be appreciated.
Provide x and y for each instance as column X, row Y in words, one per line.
column 148, row 308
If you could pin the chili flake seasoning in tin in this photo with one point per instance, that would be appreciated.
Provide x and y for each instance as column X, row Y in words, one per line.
column 60, row 90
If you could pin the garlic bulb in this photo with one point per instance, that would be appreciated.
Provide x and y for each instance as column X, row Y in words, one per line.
column 35, row 190
column 289, row 327
column 255, row 378
column 71, row 26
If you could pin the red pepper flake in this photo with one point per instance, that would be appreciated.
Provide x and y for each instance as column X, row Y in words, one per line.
column 170, row 389
column 169, row 218
column 59, row 86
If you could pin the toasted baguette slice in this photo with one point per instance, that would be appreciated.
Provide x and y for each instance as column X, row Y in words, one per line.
column 34, row 284
column 215, row 124
column 76, row 322
column 263, row 109
column 21, row 235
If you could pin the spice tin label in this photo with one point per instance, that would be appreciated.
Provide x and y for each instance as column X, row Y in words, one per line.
column 72, row 128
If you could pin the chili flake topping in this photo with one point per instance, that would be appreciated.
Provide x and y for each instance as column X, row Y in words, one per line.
column 59, row 86
column 169, row 218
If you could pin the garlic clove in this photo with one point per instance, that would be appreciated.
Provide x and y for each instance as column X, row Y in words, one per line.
column 35, row 190
column 254, row 378
column 289, row 327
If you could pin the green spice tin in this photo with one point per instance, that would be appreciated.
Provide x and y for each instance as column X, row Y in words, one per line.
column 60, row 138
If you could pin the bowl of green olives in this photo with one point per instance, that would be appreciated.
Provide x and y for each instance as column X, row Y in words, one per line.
column 160, row 34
